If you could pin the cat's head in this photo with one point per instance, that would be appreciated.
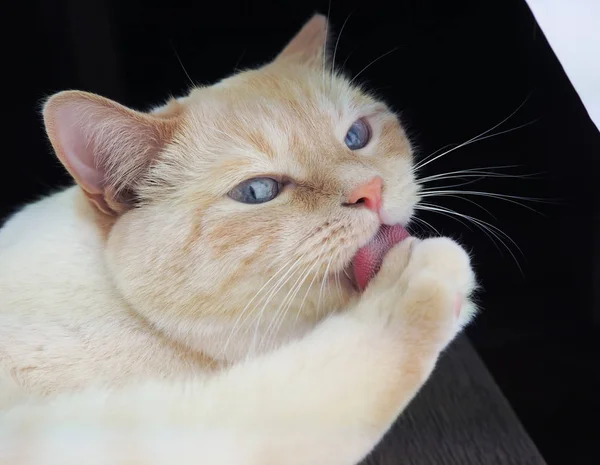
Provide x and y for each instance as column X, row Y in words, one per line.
column 241, row 204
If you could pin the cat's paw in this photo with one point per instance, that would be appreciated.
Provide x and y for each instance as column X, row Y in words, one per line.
column 424, row 289
column 446, row 260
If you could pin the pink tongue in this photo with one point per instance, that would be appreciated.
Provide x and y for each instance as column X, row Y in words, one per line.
column 368, row 259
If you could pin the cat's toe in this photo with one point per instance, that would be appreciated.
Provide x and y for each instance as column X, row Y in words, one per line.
column 446, row 259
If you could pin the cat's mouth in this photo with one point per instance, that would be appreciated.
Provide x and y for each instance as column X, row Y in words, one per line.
column 368, row 259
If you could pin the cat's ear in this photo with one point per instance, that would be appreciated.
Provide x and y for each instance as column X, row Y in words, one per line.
column 309, row 46
column 106, row 147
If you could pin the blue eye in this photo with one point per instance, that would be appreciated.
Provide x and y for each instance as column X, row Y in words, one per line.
column 256, row 190
column 358, row 135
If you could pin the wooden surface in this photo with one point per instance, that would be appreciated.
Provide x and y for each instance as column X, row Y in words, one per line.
column 460, row 417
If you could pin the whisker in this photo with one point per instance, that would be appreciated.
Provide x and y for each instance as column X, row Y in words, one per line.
column 458, row 184
column 276, row 288
column 483, row 225
column 471, row 172
column 345, row 271
column 346, row 60
column 337, row 42
column 464, row 200
column 326, row 40
column 489, row 194
column 283, row 307
column 514, row 199
column 427, row 224
column 473, row 219
column 308, row 291
column 291, row 295
column 291, row 300
column 243, row 314
column 237, row 324
column 507, row 131
column 435, row 152
column 478, row 138
column 325, row 278
column 422, row 205
column 181, row 64
column 240, row 59
column 282, row 282
column 415, row 225
column 373, row 62
column 478, row 177
column 337, row 278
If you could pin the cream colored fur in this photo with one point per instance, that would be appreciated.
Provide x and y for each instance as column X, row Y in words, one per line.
column 170, row 324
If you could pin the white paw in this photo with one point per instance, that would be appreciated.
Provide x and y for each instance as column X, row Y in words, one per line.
column 425, row 288
column 451, row 264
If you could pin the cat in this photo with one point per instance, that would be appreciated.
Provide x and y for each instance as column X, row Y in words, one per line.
column 230, row 281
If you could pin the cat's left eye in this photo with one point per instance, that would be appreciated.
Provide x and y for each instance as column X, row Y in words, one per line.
column 358, row 136
column 256, row 190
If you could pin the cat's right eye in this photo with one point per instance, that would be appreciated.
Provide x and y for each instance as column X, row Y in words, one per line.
column 256, row 190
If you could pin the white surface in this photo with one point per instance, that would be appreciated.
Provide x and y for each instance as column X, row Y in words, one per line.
column 572, row 28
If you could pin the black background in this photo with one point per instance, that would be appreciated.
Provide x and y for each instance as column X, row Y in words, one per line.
column 454, row 69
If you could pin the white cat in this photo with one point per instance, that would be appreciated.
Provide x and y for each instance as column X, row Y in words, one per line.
column 230, row 282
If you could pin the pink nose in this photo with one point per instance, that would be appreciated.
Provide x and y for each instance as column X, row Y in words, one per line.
column 367, row 194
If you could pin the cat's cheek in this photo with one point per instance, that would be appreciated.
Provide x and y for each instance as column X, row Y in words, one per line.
column 398, row 215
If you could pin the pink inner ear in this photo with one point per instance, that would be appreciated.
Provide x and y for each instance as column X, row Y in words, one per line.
column 75, row 136
column 105, row 146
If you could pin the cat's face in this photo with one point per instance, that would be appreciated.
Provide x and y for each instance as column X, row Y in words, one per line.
column 251, row 209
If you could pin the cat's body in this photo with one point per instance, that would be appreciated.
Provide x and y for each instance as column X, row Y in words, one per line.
column 229, row 283
column 75, row 330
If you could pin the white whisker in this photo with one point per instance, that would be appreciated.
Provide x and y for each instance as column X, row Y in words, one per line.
column 243, row 314
column 337, row 43
column 506, row 198
column 307, row 291
column 281, row 309
column 489, row 229
column 464, row 199
column 472, row 172
column 427, row 224
column 373, row 62
column 257, row 320
column 181, row 64
column 458, row 184
column 466, row 225
column 325, row 278
column 325, row 42
column 346, row 60
column 288, row 301
column 337, row 279
column 490, row 194
column 478, row 138
column 291, row 298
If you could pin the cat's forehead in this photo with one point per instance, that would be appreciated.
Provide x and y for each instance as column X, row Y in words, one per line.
column 278, row 116
column 282, row 95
